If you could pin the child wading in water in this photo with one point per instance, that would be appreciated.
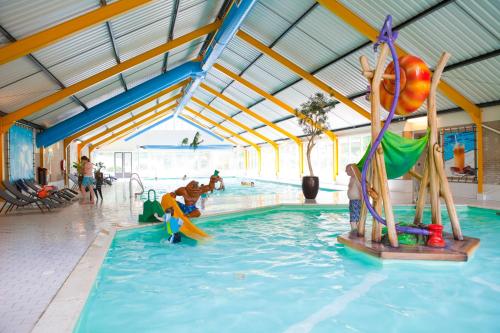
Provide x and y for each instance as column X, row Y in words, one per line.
column 354, row 194
column 172, row 224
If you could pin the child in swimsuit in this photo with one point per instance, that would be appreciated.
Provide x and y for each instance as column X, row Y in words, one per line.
column 172, row 225
column 354, row 195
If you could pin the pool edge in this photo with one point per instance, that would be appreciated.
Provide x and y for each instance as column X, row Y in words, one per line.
column 63, row 312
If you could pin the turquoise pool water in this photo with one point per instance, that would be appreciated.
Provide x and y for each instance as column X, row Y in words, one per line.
column 233, row 187
column 283, row 271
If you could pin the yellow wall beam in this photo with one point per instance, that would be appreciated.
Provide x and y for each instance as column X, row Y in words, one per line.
column 51, row 35
column 302, row 73
column 125, row 111
column 10, row 118
column 227, row 130
column 127, row 121
column 245, row 127
column 208, row 128
column 451, row 93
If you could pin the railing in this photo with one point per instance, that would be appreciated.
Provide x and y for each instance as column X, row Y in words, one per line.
column 137, row 178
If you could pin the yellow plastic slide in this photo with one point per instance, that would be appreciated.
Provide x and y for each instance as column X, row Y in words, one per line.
column 188, row 228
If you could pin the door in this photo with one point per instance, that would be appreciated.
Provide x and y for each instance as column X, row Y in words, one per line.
column 123, row 164
column 127, row 165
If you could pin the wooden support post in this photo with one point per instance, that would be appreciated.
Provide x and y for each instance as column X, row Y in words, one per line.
column 377, row 204
column 434, row 182
column 422, row 191
column 436, row 152
column 380, row 174
column 364, row 210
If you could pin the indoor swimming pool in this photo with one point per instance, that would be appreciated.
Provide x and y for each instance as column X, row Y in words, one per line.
column 232, row 184
column 282, row 270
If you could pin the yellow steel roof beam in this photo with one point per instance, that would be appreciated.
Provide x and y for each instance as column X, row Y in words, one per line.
column 234, row 121
column 250, row 112
column 262, row 120
column 243, row 126
column 51, row 35
column 302, row 73
column 128, row 120
column 208, row 128
column 371, row 33
column 34, row 107
column 227, row 130
column 133, row 126
column 272, row 98
column 131, row 108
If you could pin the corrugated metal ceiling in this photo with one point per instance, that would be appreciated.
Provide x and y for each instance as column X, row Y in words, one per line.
column 317, row 39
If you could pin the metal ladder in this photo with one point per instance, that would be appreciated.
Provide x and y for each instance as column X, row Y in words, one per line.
column 137, row 178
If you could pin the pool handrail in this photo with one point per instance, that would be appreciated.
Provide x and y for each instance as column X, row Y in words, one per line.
column 137, row 178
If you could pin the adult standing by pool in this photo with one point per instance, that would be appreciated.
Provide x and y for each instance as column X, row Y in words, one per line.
column 88, row 178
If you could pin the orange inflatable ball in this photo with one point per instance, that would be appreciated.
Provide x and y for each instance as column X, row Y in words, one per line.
column 415, row 83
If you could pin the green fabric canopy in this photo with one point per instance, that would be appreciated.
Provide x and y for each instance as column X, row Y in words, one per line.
column 400, row 153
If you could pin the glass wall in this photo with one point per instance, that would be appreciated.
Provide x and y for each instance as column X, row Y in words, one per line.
column 176, row 163
column 351, row 149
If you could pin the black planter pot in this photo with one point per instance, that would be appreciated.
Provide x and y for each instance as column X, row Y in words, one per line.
column 310, row 187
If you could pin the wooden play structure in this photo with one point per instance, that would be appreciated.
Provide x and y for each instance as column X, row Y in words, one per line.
column 453, row 247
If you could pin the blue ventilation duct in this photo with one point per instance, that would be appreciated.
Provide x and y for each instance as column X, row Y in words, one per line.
column 228, row 29
column 113, row 105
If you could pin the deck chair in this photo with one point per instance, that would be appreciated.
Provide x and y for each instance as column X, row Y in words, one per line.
column 11, row 189
column 74, row 179
column 22, row 186
column 12, row 202
column 63, row 196
column 67, row 193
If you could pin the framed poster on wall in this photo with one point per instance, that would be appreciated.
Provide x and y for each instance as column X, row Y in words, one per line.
column 21, row 153
column 460, row 153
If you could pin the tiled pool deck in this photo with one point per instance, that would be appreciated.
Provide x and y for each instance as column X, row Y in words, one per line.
column 39, row 251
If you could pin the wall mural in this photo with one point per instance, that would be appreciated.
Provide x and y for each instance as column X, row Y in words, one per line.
column 459, row 152
column 21, row 152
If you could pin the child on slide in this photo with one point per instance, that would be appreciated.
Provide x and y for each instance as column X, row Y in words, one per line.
column 172, row 224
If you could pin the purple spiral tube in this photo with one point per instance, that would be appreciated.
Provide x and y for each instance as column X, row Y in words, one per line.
column 386, row 36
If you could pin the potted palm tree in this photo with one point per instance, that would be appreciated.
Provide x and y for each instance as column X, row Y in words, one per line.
column 313, row 120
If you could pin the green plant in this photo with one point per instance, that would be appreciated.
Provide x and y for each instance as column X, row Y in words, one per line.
column 185, row 142
column 79, row 167
column 313, row 120
column 196, row 141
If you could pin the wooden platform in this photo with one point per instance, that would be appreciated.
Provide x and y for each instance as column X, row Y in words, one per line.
column 454, row 250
